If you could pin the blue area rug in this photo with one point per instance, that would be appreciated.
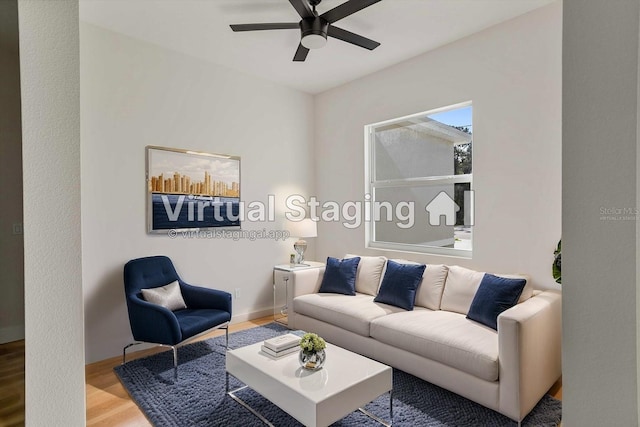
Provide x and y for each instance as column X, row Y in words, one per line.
column 197, row 396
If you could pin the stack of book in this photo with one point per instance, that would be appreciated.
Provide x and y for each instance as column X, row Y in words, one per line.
column 280, row 346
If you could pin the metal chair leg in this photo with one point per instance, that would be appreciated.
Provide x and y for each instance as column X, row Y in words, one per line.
column 124, row 351
column 175, row 356
column 173, row 347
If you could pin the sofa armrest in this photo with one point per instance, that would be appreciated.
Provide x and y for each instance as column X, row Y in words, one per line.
column 302, row 282
column 529, row 340
column 307, row 281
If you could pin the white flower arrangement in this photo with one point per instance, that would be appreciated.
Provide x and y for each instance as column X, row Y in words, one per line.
column 311, row 343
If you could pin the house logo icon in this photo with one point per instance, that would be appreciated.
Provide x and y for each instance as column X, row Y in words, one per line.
column 442, row 205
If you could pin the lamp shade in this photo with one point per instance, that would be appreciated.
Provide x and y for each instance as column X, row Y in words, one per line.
column 304, row 228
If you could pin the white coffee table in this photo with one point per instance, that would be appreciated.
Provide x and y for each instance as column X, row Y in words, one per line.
column 347, row 382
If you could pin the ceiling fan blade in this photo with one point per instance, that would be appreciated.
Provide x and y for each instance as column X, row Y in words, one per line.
column 301, row 53
column 303, row 8
column 268, row 26
column 349, row 37
column 346, row 9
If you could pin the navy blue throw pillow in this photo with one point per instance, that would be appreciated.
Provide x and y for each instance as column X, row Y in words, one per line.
column 400, row 284
column 494, row 295
column 340, row 276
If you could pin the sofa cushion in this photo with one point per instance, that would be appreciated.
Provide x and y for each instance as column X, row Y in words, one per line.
column 369, row 274
column 495, row 295
column 353, row 313
column 399, row 284
column 194, row 321
column 445, row 337
column 340, row 276
column 460, row 288
column 429, row 291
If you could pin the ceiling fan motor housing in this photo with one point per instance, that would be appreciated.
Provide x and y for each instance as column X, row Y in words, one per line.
column 315, row 28
column 314, row 32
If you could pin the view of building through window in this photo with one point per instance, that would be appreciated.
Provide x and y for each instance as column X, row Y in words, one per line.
column 423, row 160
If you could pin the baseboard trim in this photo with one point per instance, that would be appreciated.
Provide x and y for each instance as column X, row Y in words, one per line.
column 238, row 318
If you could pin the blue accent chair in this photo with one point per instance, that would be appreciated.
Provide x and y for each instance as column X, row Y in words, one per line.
column 150, row 323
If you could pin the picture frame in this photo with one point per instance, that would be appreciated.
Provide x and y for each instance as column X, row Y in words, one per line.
column 191, row 190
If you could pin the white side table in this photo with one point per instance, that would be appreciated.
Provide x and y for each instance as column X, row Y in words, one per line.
column 281, row 277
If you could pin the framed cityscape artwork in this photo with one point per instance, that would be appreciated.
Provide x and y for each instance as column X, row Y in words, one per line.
column 191, row 190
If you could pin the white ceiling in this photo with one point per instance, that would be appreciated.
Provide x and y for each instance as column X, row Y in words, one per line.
column 405, row 28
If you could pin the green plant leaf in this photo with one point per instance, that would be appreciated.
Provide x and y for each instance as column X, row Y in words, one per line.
column 556, row 268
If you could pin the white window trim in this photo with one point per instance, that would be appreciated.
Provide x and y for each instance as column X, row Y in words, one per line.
column 371, row 185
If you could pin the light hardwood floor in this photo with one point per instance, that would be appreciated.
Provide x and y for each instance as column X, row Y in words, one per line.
column 108, row 403
column 12, row 384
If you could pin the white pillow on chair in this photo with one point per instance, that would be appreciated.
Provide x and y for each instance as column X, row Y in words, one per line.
column 168, row 296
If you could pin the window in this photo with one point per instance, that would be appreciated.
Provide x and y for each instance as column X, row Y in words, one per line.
column 419, row 182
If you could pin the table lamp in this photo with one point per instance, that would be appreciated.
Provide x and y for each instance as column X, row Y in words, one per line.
column 302, row 229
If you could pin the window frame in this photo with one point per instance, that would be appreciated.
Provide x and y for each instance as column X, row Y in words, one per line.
column 371, row 185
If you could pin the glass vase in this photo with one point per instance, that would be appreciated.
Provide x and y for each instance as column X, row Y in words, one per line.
column 312, row 360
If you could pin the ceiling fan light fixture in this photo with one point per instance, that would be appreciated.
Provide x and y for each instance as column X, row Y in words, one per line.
column 315, row 27
column 314, row 32
column 314, row 41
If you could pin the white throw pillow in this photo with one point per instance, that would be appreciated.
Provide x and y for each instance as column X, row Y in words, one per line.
column 369, row 273
column 429, row 291
column 460, row 288
column 168, row 296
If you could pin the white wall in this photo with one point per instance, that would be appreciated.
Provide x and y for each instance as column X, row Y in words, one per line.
column 135, row 94
column 49, row 64
column 512, row 73
column 11, row 244
column 600, row 282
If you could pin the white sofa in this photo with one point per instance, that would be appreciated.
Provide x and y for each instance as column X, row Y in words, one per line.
column 508, row 370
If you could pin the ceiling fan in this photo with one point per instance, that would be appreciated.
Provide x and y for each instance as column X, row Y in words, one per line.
column 315, row 28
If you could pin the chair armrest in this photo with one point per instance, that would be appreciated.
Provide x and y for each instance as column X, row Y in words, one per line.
column 201, row 297
column 529, row 340
column 152, row 323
